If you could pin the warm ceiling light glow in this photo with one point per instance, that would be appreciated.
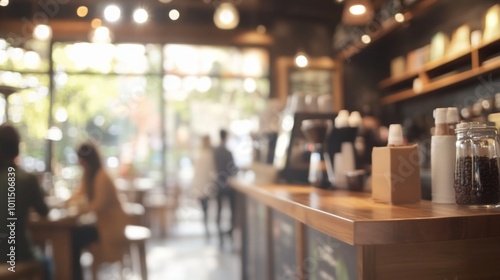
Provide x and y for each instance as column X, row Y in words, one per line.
column 357, row 12
column 399, row 17
column 82, row 11
column 226, row 16
column 96, row 23
column 112, row 13
column 174, row 14
column 165, row 1
column 42, row 32
column 261, row 29
column 140, row 16
column 357, row 9
column 4, row 3
column 301, row 60
column 366, row 39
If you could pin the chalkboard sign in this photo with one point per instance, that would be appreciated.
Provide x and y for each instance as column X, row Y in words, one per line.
column 329, row 258
column 311, row 81
column 283, row 232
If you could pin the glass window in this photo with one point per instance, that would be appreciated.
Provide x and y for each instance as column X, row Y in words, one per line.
column 120, row 94
column 121, row 113
column 207, row 88
column 32, row 55
column 28, row 110
column 120, row 108
column 111, row 58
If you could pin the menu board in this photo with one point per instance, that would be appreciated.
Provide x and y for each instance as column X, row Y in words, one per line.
column 256, row 253
column 283, row 232
column 329, row 258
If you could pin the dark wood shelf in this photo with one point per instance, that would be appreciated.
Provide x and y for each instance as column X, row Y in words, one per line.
column 387, row 28
column 440, row 74
column 393, row 81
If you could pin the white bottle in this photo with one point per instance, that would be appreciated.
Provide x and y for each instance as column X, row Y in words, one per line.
column 443, row 156
column 342, row 119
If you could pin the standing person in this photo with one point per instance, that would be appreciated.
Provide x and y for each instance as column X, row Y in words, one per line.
column 23, row 190
column 202, row 183
column 97, row 194
column 225, row 167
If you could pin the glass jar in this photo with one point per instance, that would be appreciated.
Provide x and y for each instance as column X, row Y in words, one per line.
column 477, row 177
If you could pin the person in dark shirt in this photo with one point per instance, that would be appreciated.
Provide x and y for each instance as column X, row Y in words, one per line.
column 20, row 192
column 225, row 168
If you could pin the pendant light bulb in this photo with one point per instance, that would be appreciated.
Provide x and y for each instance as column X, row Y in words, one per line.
column 226, row 16
column 301, row 59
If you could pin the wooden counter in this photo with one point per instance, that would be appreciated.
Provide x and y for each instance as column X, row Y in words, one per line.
column 414, row 241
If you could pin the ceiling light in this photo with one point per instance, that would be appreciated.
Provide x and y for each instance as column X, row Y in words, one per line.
column 174, row 14
column 4, row 3
column 366, row 39
column 357, row 12
column 261, row 29
column 357, row 9
column 301, row 59
column 140, row 15
column 96, row 23
column 42, row 32
column 82, row 11
column 112, row 13
column 399, row 17
column 226, row 16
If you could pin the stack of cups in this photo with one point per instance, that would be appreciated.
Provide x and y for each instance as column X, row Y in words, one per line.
column 443, row 155
column 395, row 137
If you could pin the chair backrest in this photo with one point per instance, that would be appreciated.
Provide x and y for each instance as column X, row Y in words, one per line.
column 136, row 213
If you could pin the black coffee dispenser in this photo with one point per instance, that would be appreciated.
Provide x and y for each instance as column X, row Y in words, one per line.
column 292, row 153
column 317, row 132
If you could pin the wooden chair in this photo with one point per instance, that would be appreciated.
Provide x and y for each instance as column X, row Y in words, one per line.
column 161, row 211
column 136, row 213
column 136, row 237
column 30, row 270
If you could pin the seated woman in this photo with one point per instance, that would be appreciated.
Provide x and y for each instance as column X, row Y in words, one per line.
column 97, row 194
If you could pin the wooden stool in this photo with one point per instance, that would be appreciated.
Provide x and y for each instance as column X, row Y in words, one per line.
column 29, row 270
column 136, row 237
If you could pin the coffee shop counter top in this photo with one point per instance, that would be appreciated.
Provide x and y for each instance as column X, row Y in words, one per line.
column 355, row 218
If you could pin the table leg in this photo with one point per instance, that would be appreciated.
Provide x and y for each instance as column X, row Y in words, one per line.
column 62, row 250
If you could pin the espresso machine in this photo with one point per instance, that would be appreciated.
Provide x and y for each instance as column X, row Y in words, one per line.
column 293, row 150
column 300, row 148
